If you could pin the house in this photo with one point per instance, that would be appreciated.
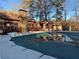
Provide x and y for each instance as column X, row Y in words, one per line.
column 1, row 26
column 10, row 22
column 74, row 26
column 57, row 26
column 44, row 25
column 33, row 25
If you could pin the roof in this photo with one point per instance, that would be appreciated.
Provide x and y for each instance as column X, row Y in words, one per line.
column 74, row 18
column 9, row 15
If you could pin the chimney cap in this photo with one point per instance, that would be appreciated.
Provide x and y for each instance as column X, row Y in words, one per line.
column 22, row 10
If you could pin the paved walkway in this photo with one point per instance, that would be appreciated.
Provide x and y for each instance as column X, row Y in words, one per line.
column 8, row 50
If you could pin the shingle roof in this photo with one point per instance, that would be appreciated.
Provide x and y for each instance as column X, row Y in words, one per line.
column 9, row 15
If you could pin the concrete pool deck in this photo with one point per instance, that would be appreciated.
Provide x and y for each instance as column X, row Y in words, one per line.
column 14, row 34
column 9, row 50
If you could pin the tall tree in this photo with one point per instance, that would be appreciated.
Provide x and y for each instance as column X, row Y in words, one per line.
column 76, row 11
column 59, row 6
column 40, row 9
column 65, row 11
column 43, row 8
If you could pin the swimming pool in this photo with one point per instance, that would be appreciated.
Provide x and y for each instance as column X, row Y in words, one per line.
column 62, row 47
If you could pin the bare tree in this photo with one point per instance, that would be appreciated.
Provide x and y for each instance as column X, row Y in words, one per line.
column 59, row 6
column 65, row 11
column 42, row 8
column 76, row 11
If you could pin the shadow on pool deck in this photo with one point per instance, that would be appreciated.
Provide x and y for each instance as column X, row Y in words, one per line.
column 51, row 48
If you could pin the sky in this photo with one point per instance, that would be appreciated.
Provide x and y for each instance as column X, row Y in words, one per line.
column 13, row 4
column 10, row 4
